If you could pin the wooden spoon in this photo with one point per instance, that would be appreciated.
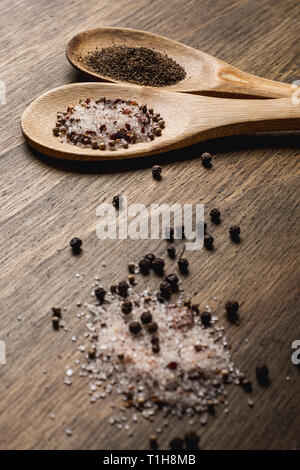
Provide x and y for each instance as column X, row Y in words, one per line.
column 189, row 118
column 205, row 74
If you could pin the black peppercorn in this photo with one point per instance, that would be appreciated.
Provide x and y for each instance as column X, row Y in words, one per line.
column 55, row 322
column 171, row 252
column 262, row 375
column 191, row 440
column 135, row 327
column 100, row 294
column 152, row 327
column 117, row 201
column 160, row 297
column 206, row 160
column 153, row 442
column 231, row 308
column 76, row 244
column 173, row 280
column 155, row 348
column 234, row 232
column 246, row 385
column 154, row 339
column 165, row 290
column 144, row 266
column 215, row 215
column 150, row 257
column 146, row 318
column 206, row 319
column 208, row 242
column 176, row 443
column 156, row 172
column 123, row 288
column 126, row 307
column 170, row 234
column 56, row 312
column 183, row 265
column 158, row 266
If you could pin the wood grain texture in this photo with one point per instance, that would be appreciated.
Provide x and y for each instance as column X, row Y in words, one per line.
column 44, row 203
column 204, row 74
column 189, row 119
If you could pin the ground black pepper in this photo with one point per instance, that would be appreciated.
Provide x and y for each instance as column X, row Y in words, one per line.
column 135, row 65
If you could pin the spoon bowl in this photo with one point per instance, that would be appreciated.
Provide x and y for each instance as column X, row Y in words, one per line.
column 188, row 119
column 205, row 74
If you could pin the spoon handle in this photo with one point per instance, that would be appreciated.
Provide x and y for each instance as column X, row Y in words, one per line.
column 218, row 117
column 236, row 82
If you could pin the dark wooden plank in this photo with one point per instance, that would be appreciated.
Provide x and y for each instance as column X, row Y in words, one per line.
column 43, row 204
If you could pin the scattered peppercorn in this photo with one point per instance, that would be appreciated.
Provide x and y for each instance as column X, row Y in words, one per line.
column 131, row 279
column 155, row 348
column 153, row 442
column 76, row 245
column 150, row 257
column 156, row 172
column 160, row 297
column 171, row 252
column 123, row 288
column 215, row 215
column 131, row 267
column 208, row 242
column 117, row 201
column 135, row 327
column 262, row 375
column 152, row 327
column 100, row 294
column 146, row 318
column 144, row 266
column 206, row 160
column 191, row 440
column 92, row 353
column 231, row 308
column 173, row 280
column 55, row 322
column 56, row 312
column 126, row 307
column 176, row 443
column 234, row 232
column 165, row 290
column 183, row 265
column 170, row 234
column 154, row 339
column 158, row 266
column 172, row 365
column 206, row 319
column 246, row 385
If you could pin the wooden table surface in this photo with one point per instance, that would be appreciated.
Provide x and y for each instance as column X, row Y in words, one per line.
column 44, row 203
